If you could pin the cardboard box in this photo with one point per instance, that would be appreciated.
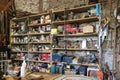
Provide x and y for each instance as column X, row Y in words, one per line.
column 88, row 29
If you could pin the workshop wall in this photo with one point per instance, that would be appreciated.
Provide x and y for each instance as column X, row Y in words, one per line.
column 61, row 4
column 32, row 6
column 37, row 6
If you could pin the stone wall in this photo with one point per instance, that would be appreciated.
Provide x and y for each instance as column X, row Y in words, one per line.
column 37, row 6
column 33, row 6
column 60, row 4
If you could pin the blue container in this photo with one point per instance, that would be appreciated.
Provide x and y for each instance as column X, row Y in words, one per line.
column 61, row 70
column 82, row 70
column 57, row 69
column 67, row 59
column 97, row 10
column 56, row 56
column 44, row 65
column 53, row 69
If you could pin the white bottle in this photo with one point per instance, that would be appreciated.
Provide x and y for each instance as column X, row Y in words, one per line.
column 23, row 69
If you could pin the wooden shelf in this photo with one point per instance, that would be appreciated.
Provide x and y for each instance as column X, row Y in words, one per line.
column 32, row 61
column 58, row 48
column 20, row 51
column 58, row 11
column 84, row 64
column 73, row 49
column 45, row 33
column 39, row 24
column 5, row 60
column 39, row 42
column 19, row 43
column 39, row 61
column 38, row 15
column 77, row 35
column 15, row 27
column 39, row 51
column 19, row 35
column 20, row 19
column 82, row 20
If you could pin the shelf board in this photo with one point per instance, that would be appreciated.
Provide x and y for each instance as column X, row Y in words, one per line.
column 84, row 64
column 19, row 35
column 81, row 20
column 39, row 24
column 32, row 61
column 73, row 49
column 20, row 51
column 77, row 35
column 58, row 22
column 39, row 51
column 58, row 48
column 39, row 33
column 39, row 42
column 19, row 43
column 15, row 27
column 91, row 64
column 38, row 15
column 5, row 60
column 58, row 11
column 20, row 19
column 39, row 61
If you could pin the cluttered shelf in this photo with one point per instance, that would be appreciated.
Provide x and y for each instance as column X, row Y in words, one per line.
column 45, row 47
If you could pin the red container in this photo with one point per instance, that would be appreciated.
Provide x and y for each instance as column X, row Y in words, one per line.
column 45, row 57
column 97, row 73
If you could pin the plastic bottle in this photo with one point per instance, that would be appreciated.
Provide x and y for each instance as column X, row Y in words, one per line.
column 23, row 69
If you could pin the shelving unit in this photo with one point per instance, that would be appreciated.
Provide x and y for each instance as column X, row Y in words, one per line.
column 39, row 41
column 4, row 59
column 34, row 34
column 66, row 36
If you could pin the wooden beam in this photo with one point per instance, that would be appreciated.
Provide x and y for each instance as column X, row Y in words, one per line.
column 2, row 6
